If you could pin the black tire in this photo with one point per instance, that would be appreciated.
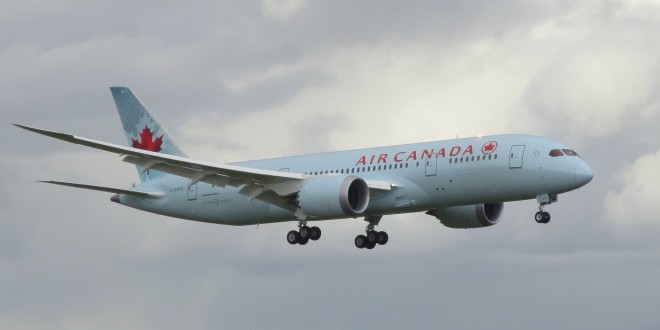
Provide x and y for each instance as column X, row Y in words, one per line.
column 370, row 245
column 316, row 233
column 372, row 236
column 539, row 217
column 360, row 241
column 382, row 238
column 293, row 237
column 303, row 241
column 305, row 232
column 546, row 217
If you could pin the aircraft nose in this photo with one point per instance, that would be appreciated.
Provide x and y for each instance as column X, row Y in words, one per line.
column 583, row 173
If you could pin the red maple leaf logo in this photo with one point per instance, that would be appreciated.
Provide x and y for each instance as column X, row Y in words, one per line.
column 148, row 142
column 489, row 147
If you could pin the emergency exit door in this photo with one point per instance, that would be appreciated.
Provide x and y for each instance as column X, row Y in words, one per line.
column 192, row 192
column 516, row 157
column 432, row 166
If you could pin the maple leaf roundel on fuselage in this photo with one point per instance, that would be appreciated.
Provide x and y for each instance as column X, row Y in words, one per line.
column 489, row 147
column 148, row 142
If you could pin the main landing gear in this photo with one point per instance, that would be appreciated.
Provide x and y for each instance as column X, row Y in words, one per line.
column 372, row 237
column 547, row 199
column 303, row 234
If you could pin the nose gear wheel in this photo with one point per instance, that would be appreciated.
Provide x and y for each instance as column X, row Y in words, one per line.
column 542, row 216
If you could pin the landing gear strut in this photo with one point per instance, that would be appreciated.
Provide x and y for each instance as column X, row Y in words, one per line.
column 547, row 199
column 372, row 237
column 303, row 234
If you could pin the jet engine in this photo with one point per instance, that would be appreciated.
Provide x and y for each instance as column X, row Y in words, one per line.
column 333, row 196
column 469, row 216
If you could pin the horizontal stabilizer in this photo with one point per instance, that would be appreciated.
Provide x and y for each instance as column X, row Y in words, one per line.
column 107, row 189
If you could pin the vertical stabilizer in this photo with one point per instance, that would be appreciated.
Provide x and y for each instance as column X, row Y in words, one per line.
column 143, row 131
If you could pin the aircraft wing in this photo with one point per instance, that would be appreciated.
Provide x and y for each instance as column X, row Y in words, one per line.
column 108, row 189
column 282, row 183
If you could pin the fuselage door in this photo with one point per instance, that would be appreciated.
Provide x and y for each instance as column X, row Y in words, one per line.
column 432, row 166
column 192, row 192
column 516, row 156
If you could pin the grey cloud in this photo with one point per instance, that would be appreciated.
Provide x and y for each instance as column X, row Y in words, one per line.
column 72, row 259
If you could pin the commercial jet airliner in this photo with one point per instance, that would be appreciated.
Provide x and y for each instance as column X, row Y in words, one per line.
column 461, row 182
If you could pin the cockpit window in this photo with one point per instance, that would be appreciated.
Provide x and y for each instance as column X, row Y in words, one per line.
column 556, row 153
column 569, row 152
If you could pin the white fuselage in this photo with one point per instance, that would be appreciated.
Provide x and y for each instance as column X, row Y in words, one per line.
column 422, row 176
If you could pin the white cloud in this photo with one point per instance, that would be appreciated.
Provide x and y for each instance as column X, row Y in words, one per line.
column 282, row 9
column 386, row 93
column 644, row 9
column 601, row 76
column 631, row 210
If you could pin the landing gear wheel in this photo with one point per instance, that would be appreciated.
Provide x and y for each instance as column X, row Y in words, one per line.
column 370, row 245
column 546, row 217
column 293, row 237
column 305, row 232
column 303, row 241
column 539, row 217
column 360, row 241
column 315, row 233
column 372, row 236
column 382, row 238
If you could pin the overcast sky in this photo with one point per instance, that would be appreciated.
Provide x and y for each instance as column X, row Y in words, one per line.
column 239, row 80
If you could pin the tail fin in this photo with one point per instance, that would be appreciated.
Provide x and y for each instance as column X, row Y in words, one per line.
column 143, row 131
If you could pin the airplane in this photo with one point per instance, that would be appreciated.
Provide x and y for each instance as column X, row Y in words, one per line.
column 461, row 182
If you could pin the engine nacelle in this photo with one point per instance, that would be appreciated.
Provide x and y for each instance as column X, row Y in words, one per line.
column 333, row 196
column 470, row 216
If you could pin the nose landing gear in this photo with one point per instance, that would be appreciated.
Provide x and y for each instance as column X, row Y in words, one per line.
column 541, row 216
column 543, row 200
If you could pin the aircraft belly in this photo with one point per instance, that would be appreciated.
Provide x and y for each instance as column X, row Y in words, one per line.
column 213, row 204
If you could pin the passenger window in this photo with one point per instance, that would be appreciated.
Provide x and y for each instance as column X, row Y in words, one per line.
column 556, row 153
